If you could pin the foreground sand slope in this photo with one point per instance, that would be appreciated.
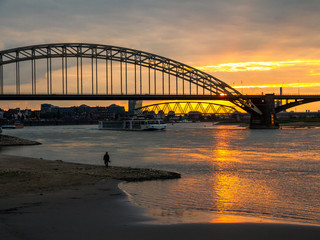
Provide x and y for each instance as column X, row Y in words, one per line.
column 22, row 174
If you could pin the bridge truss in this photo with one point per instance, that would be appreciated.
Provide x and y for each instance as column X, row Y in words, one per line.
column 110, row 54
column 106, row 72
column 182, row 108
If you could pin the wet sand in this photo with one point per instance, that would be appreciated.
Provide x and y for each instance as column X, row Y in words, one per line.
column 99, row 210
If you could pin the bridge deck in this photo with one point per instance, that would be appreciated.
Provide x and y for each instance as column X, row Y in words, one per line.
column 109, row 97
column 282, row 96
column 146, row 97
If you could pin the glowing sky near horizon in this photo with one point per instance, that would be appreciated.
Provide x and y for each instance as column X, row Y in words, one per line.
column 262, row 66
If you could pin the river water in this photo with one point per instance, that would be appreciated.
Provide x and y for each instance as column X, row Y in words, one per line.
column 227, row 170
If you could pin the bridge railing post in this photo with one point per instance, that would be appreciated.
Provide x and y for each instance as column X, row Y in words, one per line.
column 17, row 74
column 33, row 74
column 1, row 75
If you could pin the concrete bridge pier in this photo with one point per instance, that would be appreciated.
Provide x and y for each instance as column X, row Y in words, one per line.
column 268, row 118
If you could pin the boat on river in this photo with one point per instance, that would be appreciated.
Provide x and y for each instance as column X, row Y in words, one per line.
column 133, row 125
column 184, row 121
column 13, row 126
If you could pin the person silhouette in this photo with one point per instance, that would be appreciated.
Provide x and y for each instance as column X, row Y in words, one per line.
column 106, row 159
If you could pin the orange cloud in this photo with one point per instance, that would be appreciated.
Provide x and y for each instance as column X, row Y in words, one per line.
column 293, row 85
column 259, row 66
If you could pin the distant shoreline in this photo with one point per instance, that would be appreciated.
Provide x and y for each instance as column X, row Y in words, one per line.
column 300, row 124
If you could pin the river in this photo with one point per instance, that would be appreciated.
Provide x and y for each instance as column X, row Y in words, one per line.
column 229, row 170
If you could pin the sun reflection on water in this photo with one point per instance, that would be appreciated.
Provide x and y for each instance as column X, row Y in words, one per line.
column 230, row 188
column 226, row 189
column 226, row 184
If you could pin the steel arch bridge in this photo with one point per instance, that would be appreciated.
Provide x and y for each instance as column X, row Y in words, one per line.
column 151, row 77
column 181, row 108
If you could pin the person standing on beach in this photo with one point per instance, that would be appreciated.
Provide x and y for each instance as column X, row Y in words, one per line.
column 106, row 159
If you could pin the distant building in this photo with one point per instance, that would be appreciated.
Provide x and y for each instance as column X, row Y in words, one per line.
column 54, row 109
column 290, row 115
column 68, row 114
column 195, row 115
column 133, row 104
column 114, row 111
column 46, row 108
column 84, row 108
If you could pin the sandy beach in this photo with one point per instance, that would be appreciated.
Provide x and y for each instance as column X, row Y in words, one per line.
column 91, row 206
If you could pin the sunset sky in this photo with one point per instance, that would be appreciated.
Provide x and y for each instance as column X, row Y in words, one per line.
column 255, row 45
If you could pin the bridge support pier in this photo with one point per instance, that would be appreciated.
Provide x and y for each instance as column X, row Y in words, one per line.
column 268, row 118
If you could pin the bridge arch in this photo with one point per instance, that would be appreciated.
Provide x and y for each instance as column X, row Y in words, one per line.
column 295, row 101
column 200, row 81
column 181, row 108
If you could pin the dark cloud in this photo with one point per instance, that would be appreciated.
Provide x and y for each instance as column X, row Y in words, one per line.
column 183, row 29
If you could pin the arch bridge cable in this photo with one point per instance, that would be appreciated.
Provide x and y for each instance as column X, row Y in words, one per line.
column 105, row 72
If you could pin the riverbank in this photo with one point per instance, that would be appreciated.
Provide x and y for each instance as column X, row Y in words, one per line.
column 300, row 125
column 23, row 175
column 6, row 140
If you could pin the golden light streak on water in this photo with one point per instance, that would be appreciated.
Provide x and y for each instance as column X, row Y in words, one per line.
column 226, row 183
column 225, row 218
column 227, row 188
column 230, row 189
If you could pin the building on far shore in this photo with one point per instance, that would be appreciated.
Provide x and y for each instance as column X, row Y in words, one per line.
column 133, row 104
column 1, row 114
